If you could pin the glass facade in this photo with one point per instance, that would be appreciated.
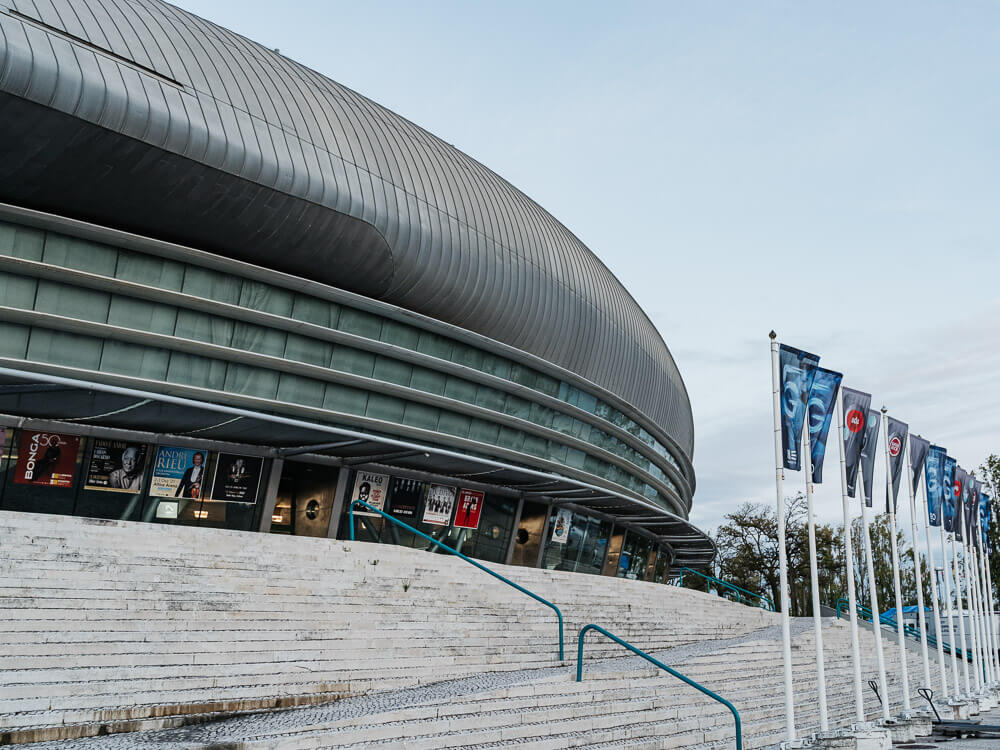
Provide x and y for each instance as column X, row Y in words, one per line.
column 121, row 312
column 584, row 548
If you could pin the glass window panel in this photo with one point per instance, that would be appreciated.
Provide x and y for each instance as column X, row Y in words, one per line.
column 484, row 432
column 360, row 323
column 21, row 242
column 399, row 334
column 547, row 385
column 353, row 360
column 517, row 407
column 542, row 415
column 151, row 271
column 80, row 254
column 72, row 302
column 345, row 399
column 460, row 390
column 434, row 345
column 141, row 315
column 428, row 380
column 387, row 408
column 490, row 398
column 419, row 415
column 466, row 355
column 198, row 371
column 523, row 375
column 258, row 339
column 67, row 349
column 489, row 542
column 557, row 451
column 454, row 424
column 133, row 360
column 201, row 282
column 536, row 446
column 13, row 340
column 299, row 390
column 40, row 498
column 315, row 311
column 495, row 365
column 208, row 329
column 585, row 546
column 304, row 349
column 124, row 505
column 17, row 291
column 586, row 402
column 251, row 381
column 392, row 370
column 575, row 458
column 513, row 439
column 266, row 298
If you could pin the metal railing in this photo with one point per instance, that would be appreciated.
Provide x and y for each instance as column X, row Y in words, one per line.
column 730, row 588
column 469, row 560
column 913, row 632
column 661, row 665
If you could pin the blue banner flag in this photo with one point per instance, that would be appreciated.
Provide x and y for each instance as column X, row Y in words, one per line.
column 985, row 519
column 918, row 454
column 896, row 435
column 797, row 370
column 948, row 493
column 975, row 489
column 868, row 449
column 934, row 477
column 855, row 417
column 822, row 397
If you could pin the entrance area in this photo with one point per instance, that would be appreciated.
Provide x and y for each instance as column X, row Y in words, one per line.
column 305, row 500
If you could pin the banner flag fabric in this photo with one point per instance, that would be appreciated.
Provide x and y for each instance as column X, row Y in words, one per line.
column 948, row 493
column 985, row 519
column 856, row 406
column 918, row 454
column 797, row 370
column 958, row 499
column 822, row 397
column 933, row 472
column 869, row 448
column 975, row 488
column 897, row 439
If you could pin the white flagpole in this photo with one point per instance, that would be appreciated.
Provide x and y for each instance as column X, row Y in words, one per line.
column 876, row 615
column 991, row 633
column 918, row 578
column 824, row 722
column 779, row 475
column 977, row 572
column 961, row 612
column 970, row 595
column 989, row 609
column 900, row 636
column 951, row 617
column 852, row 597
column 938, row 632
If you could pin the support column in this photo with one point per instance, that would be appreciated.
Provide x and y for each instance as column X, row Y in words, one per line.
column 271, row 495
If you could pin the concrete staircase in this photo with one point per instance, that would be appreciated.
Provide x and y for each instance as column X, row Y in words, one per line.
column 193, row 638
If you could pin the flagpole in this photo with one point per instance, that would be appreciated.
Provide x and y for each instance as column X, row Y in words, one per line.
column 961, row 613
column 824, row 722
column 779, row 475
column 989, row 609
column 852, row 598
column 970, row 596
column 938, row 633
column 918, row 579
column 901, row 637
column 984, row 561
column 876, row 614
column 984, row 658
column 947, row 589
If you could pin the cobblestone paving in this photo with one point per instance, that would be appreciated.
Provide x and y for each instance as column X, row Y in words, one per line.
column 247, row 727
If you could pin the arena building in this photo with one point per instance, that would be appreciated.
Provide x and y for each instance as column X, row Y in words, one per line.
column 238, row 294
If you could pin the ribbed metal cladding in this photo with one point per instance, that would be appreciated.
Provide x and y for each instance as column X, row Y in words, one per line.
column 464, row 246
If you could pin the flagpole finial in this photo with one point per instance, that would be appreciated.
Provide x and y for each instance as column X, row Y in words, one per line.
column 772, row 335
column 884, row 410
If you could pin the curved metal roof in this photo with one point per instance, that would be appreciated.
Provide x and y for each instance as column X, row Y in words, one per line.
column 284, row 167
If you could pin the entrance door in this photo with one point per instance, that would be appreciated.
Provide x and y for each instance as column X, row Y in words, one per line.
column 305, row 499
column 528, row 537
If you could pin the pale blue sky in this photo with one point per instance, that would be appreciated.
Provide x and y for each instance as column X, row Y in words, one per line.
column 827, row 170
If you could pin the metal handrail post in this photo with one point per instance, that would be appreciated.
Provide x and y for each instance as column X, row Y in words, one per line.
column 661, row 665
column 469, row 560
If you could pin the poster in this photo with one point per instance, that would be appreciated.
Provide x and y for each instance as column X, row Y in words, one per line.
column 372, row 489
column 178, row 472
column 236, row 478
column 439, row 504
column 116, row 466
column 46, row 459
column 560, row 526
column 470, row 508
column 406, row 495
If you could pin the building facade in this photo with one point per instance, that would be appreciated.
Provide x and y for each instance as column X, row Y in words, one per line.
column 235, row 293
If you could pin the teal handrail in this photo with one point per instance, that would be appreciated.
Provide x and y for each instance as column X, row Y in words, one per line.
column 866, row 614
column 469, row 560
column 740, row 592
column 661, row 665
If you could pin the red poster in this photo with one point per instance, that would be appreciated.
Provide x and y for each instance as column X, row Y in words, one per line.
column 470, row 507
column 46, row 458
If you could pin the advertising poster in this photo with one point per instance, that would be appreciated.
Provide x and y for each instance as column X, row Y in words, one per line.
column 372, row 489
column 46, row 459
column 237, row 478
column 116, row 466
column 560, row 526
column 470, row 508
column 178, row 472
column 406, row 496
column 439, row 505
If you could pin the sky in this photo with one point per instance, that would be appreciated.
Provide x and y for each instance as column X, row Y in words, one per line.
column 829, row 171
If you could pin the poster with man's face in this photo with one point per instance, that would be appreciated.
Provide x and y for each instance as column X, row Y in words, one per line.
column 439, row 504
column 237, row 478
column 372, row 489
column 116, row 466
column 178, row 472
column 46, row 459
